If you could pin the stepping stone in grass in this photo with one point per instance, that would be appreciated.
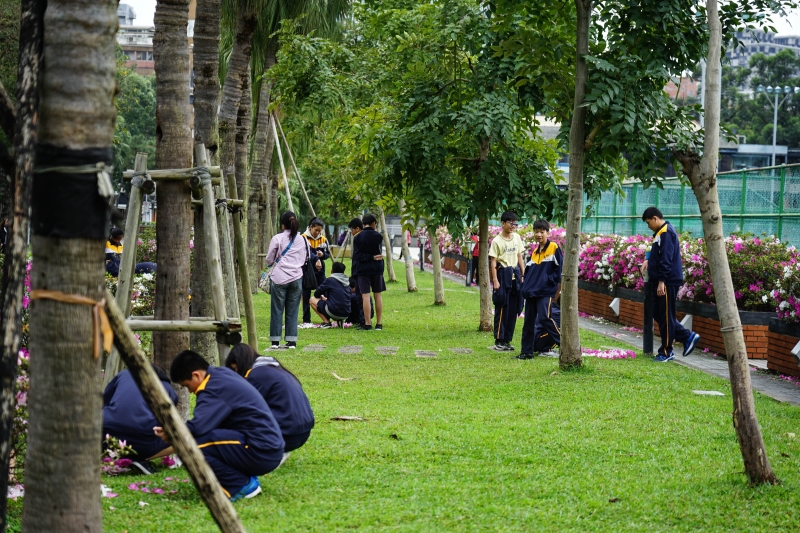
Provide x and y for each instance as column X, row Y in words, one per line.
column 350, row 349
column 464, row 351
column 425, row 353
column 386, row 350
column 314, row 348
column 708, row 392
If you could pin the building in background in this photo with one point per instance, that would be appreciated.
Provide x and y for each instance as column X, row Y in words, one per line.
column 755, row 42
column 136, row 42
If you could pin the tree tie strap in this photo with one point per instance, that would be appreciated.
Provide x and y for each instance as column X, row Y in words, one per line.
column 139, row 177
column 104, row 187
column 728, row 329
column 102, row 327
column 204, row 173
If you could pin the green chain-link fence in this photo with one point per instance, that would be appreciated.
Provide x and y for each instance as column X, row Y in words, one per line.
column 763, row 200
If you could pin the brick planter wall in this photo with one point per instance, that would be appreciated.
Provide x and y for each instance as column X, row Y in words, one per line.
column 782, row 338
column 595, row 299
column 450, row 261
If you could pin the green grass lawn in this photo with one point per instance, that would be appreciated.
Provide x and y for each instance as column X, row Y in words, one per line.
column 482, row 442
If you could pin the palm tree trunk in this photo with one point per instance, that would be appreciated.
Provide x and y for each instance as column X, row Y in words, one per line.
column 173, row 150
column 570, row 335
column 702, row 173
column 243, row 120
column 486, row 323
column 206, row 101
column 436, row 259
column 76, row 128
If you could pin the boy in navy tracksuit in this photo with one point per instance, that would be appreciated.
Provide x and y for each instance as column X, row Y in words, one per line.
column 541, row 288
column 280, row 389
column 232, row 424
column 367, row 254
column 331, row 301
column 665, row 269
column 126, row 416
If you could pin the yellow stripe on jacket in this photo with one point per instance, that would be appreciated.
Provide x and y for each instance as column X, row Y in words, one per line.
column 549, row 254
column 316, row 243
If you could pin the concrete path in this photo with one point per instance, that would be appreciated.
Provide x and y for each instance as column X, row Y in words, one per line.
column 766, row 383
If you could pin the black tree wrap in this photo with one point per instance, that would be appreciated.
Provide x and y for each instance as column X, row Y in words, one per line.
column 72, row 196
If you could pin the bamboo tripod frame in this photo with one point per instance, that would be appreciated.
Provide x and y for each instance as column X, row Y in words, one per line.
column 201, row 183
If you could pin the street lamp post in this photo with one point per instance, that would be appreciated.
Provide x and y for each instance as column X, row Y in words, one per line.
column 422, row 240
column 777, row 91
column 469, row 263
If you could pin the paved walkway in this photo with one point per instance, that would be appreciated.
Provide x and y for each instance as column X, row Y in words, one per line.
column 766, row 383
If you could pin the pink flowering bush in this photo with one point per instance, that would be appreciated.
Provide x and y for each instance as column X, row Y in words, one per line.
column 115, row 456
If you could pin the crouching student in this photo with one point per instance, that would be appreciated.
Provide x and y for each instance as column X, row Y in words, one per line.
column 126, row 416
column 331, row 301
column 542, row 287
column 356, row 315
column 232, row 424
column 280, row 389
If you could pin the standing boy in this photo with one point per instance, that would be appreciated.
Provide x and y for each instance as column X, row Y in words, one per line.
column 666, row 269
column 367, row 254
column 541, row 289
column 319, row 248
column 233, row 425
column 506, row 268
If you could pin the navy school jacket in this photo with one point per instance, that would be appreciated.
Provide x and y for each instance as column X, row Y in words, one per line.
column 665, row 257
column 337, row 290
column 284, row 395
column 125, row 409
column 509, row 283
column 226, row 400
column 356, row 315
column 543, row 271
column 366, row 245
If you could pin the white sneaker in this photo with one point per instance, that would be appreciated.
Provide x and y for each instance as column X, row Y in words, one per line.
column 283, row 460
column 305, row 325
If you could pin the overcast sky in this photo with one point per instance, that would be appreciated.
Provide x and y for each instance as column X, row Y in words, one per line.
column 145, row 8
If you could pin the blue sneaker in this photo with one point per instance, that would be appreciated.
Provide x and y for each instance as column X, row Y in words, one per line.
column 690, row 344
column 253, row 488
column 664, row 358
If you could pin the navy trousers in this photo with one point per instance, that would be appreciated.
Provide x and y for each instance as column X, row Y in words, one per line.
column 664, row 314
column 505, row 319
column 232, row 461
column 295, row 441
column 539, row 310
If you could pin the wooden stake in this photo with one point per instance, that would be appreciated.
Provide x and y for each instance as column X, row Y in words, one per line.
column 229, row 275
column 166, row 413
column 175, row 174
column 283, row 168
column 127, row 263
column 244, row 277
column 291, row 160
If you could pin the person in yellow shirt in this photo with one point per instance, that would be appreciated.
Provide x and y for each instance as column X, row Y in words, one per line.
column 506, row 268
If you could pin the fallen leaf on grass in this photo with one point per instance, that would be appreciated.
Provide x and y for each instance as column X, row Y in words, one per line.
column 613, row 500
column 341, row 378
column 142, row 504
column 349, row 418
column 790, row 435
column 395, row 437
column 553, row 373
column 783, row 454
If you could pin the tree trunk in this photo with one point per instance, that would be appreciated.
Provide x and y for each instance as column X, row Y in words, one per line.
column 243, row 120
column 206, row 101
column 173, row 150
column 702, row 175
column 387, row 243
column 30, row 53
column 570, row 335
column 411, row 281
column 436, row 259
column 487, row 322
column 76, row 127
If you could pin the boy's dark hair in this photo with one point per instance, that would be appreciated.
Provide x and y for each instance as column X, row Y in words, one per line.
column 184, row 364
column 116, row 232
column 289, row 221
column 508, row 216
column 369, row 219
column 243, row 356
column 159, row 372
column 356, row 223
column 651, row 212
column 541, row 224
column 338, row 268
column 316, row 221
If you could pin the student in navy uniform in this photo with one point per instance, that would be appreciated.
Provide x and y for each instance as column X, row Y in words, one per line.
column 543, row 342
column 280, row 389
column 126, row 416
column 367, row 247
column 114, row 251
column 665, row 269
column 232, row 424
column 541, row 288
column 357, row 305
column 331, row 301
column 506, row 269
column 356, row 226
column 319, row 248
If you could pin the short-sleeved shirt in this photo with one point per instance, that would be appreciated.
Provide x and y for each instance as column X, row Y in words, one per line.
column 506, row 251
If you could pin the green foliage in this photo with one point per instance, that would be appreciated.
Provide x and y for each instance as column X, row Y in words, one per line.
column 9, row 44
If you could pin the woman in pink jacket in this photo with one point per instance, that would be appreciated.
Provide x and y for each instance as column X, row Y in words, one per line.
column 289, row 250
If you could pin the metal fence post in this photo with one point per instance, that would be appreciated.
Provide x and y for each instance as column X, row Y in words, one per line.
column 744, row 198
column 683, row 195
column 634, row 210
column 647, row 327
column 782, row 201
column 614, row 214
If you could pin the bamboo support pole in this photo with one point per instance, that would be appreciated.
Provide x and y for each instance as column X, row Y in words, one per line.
column 228, row 201
column 343, row 249
column 176, row 431
column 244, row 277
column 176, row 174
column 193, row 319
column 283, row 168
column 229, row 276
column 127, row 264
column 178, row 325
column 212, row 250
column 291, row 160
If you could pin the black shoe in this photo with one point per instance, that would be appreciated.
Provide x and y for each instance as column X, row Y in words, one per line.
column 364, row 327
column 144, row 466
column 508, row 348
column 291, row 345
column 379, row 327
column 326, row 325
column 524, row 356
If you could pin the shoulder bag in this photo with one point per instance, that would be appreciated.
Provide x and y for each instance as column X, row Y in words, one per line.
column 309, row 271
column 266, row 278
